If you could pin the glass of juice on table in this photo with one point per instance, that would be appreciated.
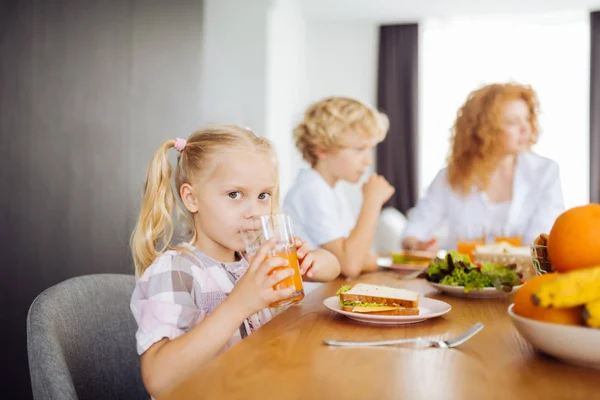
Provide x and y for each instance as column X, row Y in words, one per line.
column 468, row 237
column 256, row 231
column 507, row 234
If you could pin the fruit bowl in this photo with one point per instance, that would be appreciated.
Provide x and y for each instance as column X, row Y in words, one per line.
column 576, row 345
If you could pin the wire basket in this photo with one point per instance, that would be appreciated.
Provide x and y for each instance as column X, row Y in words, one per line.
column 541, row 262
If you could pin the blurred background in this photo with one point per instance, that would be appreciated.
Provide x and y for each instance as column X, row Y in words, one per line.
column 90, row 88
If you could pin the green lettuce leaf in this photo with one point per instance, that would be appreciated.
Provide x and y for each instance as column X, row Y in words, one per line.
column 360, row 304
column 343, row 289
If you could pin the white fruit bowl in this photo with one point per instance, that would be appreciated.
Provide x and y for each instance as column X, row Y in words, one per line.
column 576, row 345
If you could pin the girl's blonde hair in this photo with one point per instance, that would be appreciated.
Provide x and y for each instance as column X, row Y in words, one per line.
column 154, row 229
column 477, row 140
column 327, row 122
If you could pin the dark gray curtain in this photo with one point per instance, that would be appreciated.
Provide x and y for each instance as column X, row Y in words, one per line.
column 397, row 96
column 595, row 108
column 88, row 90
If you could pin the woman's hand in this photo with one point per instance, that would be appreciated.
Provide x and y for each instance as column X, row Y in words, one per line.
column 412, row 243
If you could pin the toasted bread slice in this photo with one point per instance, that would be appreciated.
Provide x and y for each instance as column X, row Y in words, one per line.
column 384, row 310
column 384, row 295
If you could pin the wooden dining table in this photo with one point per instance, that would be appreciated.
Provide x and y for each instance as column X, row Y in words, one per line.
column 286, row 358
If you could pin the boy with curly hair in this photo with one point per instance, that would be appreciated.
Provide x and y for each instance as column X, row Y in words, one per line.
column 337, row 138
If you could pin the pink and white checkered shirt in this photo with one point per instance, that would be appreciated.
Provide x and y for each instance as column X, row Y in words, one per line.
column 179, row 290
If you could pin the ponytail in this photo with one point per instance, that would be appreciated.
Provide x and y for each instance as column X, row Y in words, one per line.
column 154, row 228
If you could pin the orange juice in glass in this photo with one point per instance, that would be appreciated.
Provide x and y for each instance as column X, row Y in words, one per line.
column 508, row 235
column 468, row 238
column 294, row 280
column 257, row 231
column 512, row 240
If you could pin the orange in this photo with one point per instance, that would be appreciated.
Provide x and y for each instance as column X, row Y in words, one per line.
column 525, row 308
column 574, row 238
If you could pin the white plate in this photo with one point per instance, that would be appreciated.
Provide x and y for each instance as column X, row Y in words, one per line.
column 485, row 293
column 428, row 308
column 575, row 345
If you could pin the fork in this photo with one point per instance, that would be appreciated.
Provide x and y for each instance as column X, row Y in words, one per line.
column 444, row 344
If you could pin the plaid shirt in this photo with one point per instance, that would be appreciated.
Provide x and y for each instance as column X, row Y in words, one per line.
column 179, row 290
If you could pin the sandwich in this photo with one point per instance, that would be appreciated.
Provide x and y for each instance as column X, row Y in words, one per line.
column 364, row 298
column 412, row 258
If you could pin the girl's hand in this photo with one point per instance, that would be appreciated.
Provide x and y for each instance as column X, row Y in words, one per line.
column 308, row 264
column 254, row 291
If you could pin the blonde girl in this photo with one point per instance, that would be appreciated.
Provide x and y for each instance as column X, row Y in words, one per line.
column 199, row 297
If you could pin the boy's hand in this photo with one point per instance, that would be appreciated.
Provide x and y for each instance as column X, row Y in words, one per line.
column 377, row 190
column 308, row 265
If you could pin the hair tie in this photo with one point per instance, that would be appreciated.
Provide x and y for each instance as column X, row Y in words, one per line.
column 179, row 144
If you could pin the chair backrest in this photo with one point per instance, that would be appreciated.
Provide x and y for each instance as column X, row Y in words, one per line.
column 388, row 234
column 81, row 340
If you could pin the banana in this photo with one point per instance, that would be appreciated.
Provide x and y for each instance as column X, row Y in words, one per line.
column 591, row 314
column 570, row 289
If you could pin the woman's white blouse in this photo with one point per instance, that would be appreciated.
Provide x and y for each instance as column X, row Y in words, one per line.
column 536, row 203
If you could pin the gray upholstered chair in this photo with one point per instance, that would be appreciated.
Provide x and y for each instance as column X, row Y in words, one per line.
column 81, row 340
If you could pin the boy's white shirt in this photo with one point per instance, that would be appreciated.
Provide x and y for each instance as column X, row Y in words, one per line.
column 320, row 213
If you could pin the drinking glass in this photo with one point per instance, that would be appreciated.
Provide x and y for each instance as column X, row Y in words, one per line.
column 256, row 231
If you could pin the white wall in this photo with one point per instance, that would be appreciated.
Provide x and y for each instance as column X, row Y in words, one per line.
column 342, row 60
column 234, row 63
column 399, row 11
column 254, row 71
column 286, row 84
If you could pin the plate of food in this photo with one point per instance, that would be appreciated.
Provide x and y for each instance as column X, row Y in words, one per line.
column 384, row 305
column 456, row 275
column 406, row 260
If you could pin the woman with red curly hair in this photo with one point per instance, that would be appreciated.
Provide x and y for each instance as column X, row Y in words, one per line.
column 492, row 180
